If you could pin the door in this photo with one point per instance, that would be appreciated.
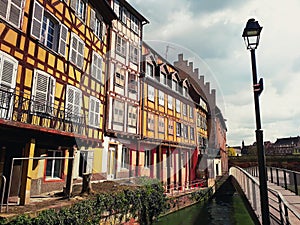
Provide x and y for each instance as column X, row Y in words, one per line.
column 111, row 167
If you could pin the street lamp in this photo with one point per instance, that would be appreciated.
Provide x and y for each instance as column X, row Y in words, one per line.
column 251, row 36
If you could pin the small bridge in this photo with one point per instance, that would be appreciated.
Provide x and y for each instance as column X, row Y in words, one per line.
column 283, row 193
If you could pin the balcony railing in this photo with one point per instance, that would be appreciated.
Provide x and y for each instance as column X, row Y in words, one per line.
column 21, row 107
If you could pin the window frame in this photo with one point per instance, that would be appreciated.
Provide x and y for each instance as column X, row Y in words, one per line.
column 125, row 158
column 131, row 120
column 79, row 61
column 150, row 121
column 94, row 113
column 170, row 102
column 178, row 106
column 121, row 46
column 161, row 98
column 178, row 129
column 161, row 125
column 134, row 54
column 53, row 165
column 170, row 127
column 151, row 93
column 97, row 64
column 8, row 12
column 47, row 103
column 149, row 70
column 75, row 117
column 118, row 112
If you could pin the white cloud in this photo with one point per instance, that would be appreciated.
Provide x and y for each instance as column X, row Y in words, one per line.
column 213, row 32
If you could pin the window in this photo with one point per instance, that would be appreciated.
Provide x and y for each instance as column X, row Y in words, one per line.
column 151, row 121
column 121, row 46
column 86, row 162
column 163, row 78
column 161, row 98
column 149, row 70
column 119, row 80
column 80, row 7
column 199, row 120
column 192, row 133
column 161, row 124
column 96, row 68
column 94, row 112
column 125, row 158
column 151, row 94
column 43, row 91
column 54, row 167
column 134, row 24
column 132, row 83
column 185, row 92
column 97, row 24
column 77, row 50
column 118, row 113
column 134, row 54
column 191, row 112
column 8, row 72
column 178, row 129
column 73, row 103
column 11, row 11
column 174, row 85
column 48, row 30
column 117, row 7
column 170, row 127
column 170, row 102
column 147, row 159
column 132, row 115
column 185, row 131
column 184, row 109
column 177, row 105
column 124, row 15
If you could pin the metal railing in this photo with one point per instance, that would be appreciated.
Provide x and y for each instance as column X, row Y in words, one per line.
column 288, row 179
column 21, row 107
column 281, row 212
column 174, row 189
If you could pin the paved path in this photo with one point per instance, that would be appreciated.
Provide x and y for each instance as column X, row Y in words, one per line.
column 292, row 199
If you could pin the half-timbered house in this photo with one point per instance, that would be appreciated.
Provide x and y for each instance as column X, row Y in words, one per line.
column 52, row 91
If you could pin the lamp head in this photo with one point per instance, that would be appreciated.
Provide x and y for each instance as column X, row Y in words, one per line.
column 251, row 34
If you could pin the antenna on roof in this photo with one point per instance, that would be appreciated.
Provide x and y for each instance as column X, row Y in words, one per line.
column 167, row 51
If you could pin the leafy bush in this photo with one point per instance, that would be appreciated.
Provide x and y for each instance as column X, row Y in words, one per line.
column 144, row 203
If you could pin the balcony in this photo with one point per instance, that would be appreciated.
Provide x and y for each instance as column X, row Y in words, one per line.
column 19, row 107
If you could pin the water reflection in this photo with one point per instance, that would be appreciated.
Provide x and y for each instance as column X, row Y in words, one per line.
column 221, row 210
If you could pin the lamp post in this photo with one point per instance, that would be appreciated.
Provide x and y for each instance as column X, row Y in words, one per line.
column 251, row 36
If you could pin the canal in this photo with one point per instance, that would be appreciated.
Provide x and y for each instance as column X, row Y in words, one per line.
column 225, row 208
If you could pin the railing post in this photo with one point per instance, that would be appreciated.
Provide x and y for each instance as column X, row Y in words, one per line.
column 280, row 210
column 271, row 171
column 284, row 176
column 286, row 214
column 295, row 183
column 277, row 175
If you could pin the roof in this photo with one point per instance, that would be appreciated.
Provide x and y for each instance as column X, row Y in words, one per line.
column 287, row 141
column 106, row 11
column 133, row 11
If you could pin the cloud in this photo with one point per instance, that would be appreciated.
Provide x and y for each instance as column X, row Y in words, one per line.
column 212, row 31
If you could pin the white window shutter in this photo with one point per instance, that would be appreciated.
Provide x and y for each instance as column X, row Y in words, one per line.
column 63, row 35
column 77, row 102
column 40, row 91
column 92, row 112
column 89, row 162
column 99, row 72
column 69, row 102
column 51, row 91
column 74, row 44
column 37, row 20
column 97, row 113
column 103, row 30
column 8, row 73
column 3, row 7
column 93, row 19
column 15, row 12
column 73, row 4
column 80, row 54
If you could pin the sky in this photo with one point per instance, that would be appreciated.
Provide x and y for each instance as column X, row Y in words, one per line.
column 209, row 33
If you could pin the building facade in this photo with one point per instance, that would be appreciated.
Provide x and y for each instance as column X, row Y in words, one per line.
column 52, row 56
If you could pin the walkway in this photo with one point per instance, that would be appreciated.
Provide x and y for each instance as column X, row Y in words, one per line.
column 284, row 205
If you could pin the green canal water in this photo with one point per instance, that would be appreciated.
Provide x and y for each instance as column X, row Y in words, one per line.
column 224, row 209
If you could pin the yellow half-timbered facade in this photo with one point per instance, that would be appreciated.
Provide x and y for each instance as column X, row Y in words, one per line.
column 52, row 91
column 169, row 131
